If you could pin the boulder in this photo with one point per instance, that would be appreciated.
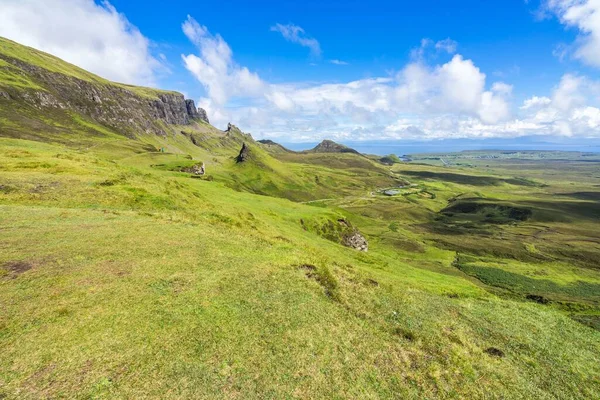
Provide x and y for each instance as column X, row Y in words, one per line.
column 356, row 241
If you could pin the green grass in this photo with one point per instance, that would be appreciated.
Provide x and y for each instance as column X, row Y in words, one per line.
column 12, row 76
column 143, row 282
column 121, row 276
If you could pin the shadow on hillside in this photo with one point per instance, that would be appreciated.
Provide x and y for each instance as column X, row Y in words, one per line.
column 474, row 180
column 590, row 196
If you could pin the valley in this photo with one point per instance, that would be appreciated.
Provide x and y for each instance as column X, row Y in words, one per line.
column 125, row 274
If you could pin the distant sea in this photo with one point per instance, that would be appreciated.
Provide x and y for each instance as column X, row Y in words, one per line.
column 456, row 145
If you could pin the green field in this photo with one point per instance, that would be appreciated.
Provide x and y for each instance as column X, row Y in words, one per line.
column 123, row 275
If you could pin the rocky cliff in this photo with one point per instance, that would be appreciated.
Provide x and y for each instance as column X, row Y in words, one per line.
column 126, row 109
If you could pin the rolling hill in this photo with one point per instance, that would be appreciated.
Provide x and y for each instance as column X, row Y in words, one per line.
column 123, row 275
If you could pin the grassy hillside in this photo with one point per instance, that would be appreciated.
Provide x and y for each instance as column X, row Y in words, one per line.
column 15, row 74
column 123, row 275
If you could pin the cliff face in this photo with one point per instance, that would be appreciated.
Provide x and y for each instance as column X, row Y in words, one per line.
column 128, row 110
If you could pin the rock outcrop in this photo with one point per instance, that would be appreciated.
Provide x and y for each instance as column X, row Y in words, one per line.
column 231, row 127
column 126, row 109
column 244, row 154
column 202, row 115
column 340, row 231
column 191, row 109
column 356, row 241
column 351, row 237
column 195, row 113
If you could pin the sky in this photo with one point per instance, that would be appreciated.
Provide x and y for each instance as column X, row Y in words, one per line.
column 344, row 70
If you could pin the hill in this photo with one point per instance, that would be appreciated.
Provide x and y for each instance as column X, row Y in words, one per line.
column 273, row 147
column 329, row 146
column 124, row 274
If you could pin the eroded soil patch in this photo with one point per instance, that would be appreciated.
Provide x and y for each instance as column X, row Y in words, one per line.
column 16, row 268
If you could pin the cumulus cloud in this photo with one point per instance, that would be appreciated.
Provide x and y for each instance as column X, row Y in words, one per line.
column 93, row 36
column 583, row 15
column 457, row 86
column 215, row 69
column 295, row 34
column 421, row 101
column 535, row 102
column 571, row 109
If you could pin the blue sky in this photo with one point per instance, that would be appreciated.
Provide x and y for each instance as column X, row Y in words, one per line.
column 347, row 70
column 505, row 38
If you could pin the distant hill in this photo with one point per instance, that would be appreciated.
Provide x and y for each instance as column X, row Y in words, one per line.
column 274, row 147
column 140, row 242
column 329, row 146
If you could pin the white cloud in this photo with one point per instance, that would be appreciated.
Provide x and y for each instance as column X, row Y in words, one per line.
column 93, row 36
column 450, row 100
column 568, row 93
column 296, row 34
column 338, row 62
column 428, row 46
column 535, row 102
column 448, row 45
column 570, row 110
column 216, row 70
column 455, row 87
column 585, row 16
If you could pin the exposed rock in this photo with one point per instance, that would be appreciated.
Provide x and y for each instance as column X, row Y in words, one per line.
column 195, row 113
column 356, row 241
column 231, row 127
column 191, row 109
column 352, row 237
column 196, row 169
column 234, row 131
column 244, row 153
column 339, row 231
column 110, row 104
column 202, row 115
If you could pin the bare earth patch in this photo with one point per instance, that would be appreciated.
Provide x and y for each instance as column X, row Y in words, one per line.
column 16, row 268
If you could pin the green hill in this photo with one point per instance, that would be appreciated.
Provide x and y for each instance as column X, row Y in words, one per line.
column 329, row 146
column 123, row 275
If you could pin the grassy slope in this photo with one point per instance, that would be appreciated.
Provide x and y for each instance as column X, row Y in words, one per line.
column 148, row 283
column 13, row 76
column 123, row 277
